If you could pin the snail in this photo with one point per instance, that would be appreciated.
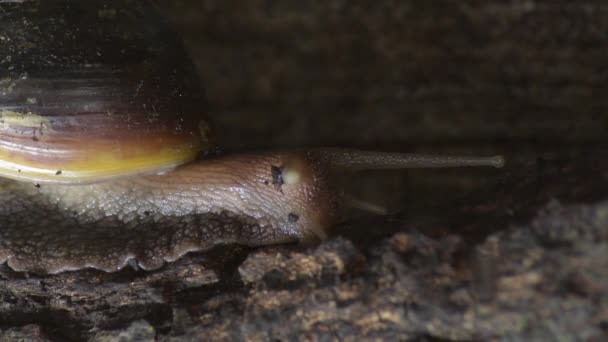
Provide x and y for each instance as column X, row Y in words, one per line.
column 101, row 137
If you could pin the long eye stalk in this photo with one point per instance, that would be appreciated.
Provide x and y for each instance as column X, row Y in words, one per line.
column 356, row 160
column 337, row 159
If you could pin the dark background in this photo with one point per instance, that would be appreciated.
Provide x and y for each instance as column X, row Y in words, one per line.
column 400, row 73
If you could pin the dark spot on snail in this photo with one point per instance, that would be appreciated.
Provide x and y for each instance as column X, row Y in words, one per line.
column 37, row 185
column 277, row 177
column 292, row 218
column 58, row 173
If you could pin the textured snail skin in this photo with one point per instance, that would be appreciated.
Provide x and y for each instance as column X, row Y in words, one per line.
column 250, row 199
column 154, row 219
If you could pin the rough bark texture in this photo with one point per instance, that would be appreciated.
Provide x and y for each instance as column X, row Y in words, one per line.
column 523, row 258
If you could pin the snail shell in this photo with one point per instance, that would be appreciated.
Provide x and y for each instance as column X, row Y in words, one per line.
column 94, row 90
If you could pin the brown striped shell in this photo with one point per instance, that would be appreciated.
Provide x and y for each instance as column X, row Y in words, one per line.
column 94, row 92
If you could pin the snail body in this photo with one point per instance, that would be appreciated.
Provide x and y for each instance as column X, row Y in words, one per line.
column 101, row 110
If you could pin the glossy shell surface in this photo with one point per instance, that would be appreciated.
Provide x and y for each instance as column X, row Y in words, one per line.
column 91, row 91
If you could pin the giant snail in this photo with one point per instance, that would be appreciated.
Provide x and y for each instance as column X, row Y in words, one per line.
column 100, row 137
